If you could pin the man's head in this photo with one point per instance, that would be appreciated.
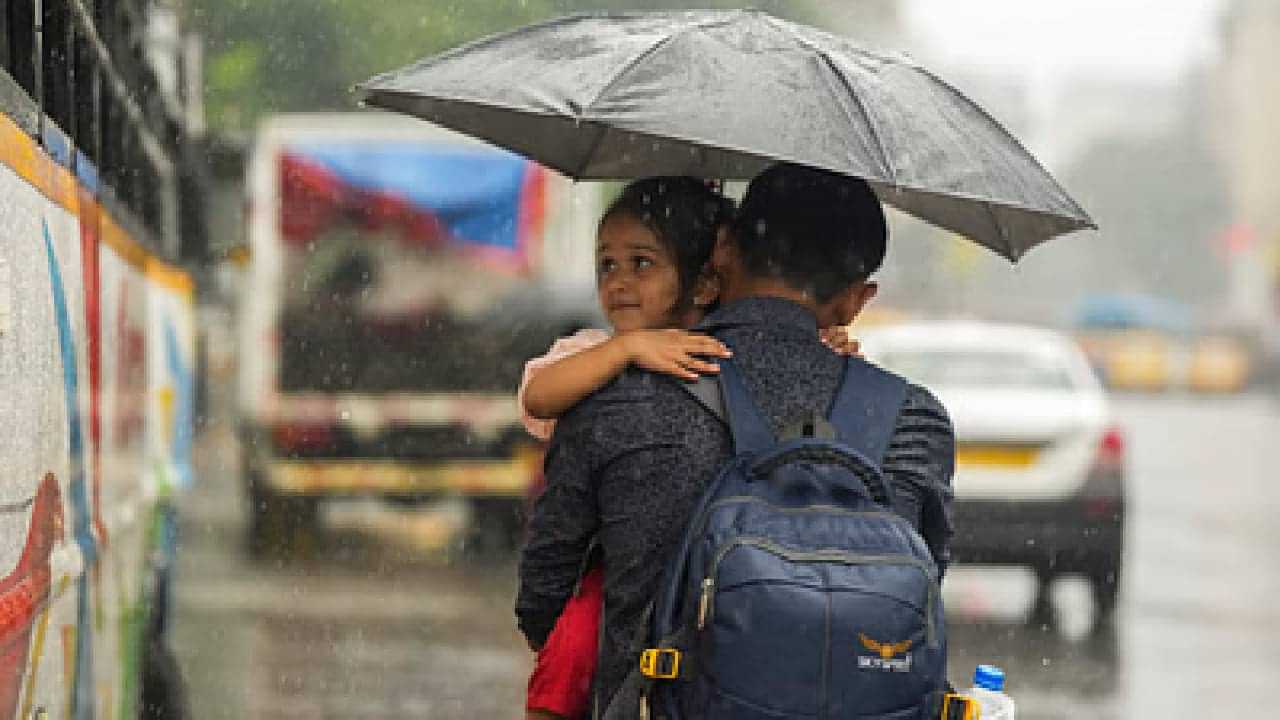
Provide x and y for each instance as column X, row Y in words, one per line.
column 811, row 235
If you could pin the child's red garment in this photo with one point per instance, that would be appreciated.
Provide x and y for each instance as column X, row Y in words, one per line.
column 566, row 664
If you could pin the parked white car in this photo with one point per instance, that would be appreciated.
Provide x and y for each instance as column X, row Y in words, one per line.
column 1040, row 468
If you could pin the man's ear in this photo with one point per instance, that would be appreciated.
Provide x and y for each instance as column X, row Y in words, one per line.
column 707, row 288
column 724, row 255
column 865, row 293
column 845, row 306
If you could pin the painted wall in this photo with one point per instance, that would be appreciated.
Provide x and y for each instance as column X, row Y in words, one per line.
column 96, row 359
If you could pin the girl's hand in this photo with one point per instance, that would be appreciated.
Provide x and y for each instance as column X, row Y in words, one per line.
column 674, row 352
column 837, row 338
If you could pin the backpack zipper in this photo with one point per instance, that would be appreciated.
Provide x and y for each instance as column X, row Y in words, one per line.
column 833, row 509
column 706, row 602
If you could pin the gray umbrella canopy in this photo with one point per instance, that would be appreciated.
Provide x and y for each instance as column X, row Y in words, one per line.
column 725, row 94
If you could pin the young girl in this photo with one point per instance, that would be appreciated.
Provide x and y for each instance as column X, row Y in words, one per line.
column 654, row 244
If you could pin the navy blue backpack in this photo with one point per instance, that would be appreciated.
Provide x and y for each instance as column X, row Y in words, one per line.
column 797, row 592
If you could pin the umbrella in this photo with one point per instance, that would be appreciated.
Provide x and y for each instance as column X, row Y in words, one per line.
column 724, row 94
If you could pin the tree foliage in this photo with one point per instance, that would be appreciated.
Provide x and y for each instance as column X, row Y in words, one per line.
column 296, row 55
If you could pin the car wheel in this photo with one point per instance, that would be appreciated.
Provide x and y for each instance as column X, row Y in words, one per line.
column 1042, row 614
column 497, row 526
column 1105, row 582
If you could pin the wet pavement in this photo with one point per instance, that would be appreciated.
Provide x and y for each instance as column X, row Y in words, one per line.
column 384, row 616
column 378, row 618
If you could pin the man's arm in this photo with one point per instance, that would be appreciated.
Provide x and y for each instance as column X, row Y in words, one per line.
column 565, row 518
column 919, row 464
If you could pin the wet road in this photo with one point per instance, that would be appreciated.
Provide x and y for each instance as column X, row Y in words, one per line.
column 383, row 619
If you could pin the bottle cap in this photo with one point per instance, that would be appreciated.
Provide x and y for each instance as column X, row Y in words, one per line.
column 989, row 677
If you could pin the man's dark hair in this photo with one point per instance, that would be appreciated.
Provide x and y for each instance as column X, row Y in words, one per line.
column 684, row 213
column 817, row 231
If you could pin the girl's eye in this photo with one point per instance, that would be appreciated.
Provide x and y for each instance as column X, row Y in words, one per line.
column 607, row 266
column 644, row 263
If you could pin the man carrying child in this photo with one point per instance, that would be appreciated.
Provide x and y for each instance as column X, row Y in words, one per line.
column 627, row 465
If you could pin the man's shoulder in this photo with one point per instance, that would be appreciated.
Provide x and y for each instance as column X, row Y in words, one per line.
column 920, row 411
column 921, row 399
column 916, row 397
column 923, row 420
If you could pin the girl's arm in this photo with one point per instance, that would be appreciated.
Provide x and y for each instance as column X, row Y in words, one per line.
column 561, row 385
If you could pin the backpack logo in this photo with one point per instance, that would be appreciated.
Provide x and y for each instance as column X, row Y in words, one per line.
column 887, row 653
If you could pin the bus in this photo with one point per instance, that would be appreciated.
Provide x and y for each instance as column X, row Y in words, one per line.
column 99, row 212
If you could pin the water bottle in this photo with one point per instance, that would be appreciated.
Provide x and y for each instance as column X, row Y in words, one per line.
column 988, row 690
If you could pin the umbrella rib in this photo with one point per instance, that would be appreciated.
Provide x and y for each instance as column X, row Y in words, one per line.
column 831, row 66
column 1003, row 234
column 586, row 109
column 885, row 158
column 591, row 152
column 631, row 64
column 650, row 51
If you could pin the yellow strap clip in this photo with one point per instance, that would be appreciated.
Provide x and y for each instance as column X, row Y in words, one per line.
column 651, row 665
column 960, row 707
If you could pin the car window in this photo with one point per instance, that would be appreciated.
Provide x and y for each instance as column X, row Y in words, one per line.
column 979, row 368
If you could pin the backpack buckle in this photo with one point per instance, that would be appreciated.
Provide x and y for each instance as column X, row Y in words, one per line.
column 959, row 707
column 660, row 663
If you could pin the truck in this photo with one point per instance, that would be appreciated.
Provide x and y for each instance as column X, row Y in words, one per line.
column 395, row 286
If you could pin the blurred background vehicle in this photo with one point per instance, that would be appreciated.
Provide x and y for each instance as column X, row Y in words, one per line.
column 1040, row 468
column 390, row 307
column 1223, row 362
column 1143, row 343
column 1135, row 342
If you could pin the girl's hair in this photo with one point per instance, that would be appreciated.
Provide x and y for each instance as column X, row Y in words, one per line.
column 684, row 213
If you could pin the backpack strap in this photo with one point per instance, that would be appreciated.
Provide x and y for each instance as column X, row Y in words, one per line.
column 706, row 390
column 750, row 430
column 866, row 407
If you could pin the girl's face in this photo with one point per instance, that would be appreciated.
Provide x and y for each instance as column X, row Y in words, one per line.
column 637, row 277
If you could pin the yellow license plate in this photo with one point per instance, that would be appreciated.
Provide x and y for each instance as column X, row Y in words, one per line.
column 1007, row 456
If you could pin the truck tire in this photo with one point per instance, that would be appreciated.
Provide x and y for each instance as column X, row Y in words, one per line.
column 497, row 526
column 279, row 525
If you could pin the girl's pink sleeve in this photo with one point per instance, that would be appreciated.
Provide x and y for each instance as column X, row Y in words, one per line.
column 560, row 349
